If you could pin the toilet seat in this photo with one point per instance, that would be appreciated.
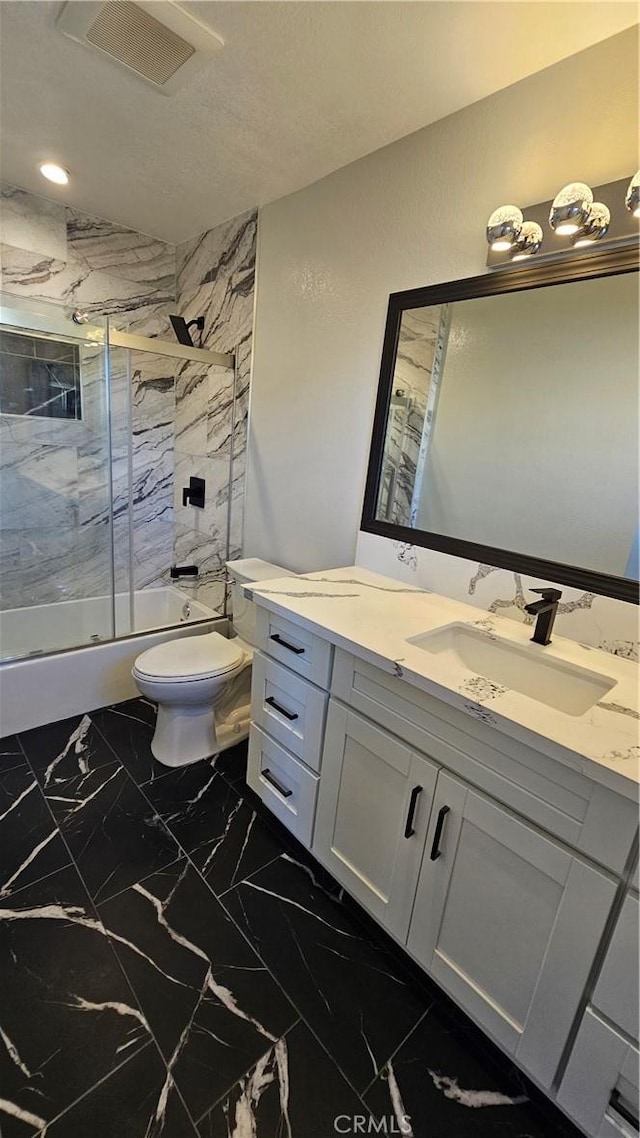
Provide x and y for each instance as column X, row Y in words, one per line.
column 191, row 658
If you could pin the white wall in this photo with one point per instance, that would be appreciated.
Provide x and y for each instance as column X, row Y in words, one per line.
column 411, row 214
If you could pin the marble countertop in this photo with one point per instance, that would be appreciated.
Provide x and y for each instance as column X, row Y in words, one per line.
column 374, row 617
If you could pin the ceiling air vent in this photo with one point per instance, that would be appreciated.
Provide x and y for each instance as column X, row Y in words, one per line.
column 159, row 41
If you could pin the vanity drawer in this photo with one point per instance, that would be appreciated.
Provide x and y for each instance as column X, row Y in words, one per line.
column 616, row 992
column 294, row 646
column 599, row 1089
column 283, row 783
column 591, row 818
column 289, row 708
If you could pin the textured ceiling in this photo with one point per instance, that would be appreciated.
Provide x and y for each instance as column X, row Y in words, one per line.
column 299, row 89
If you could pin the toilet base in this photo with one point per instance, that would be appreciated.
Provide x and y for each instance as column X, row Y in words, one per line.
column 186, row 735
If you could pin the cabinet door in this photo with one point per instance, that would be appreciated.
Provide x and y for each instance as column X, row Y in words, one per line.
column 373, row 810
column 508, row 921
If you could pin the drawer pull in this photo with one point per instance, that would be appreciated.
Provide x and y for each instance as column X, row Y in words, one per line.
column 291, row 715
column 617, row 1103
column 435, row 849
column 266, row 774
column 284, row 644
column 413, row 802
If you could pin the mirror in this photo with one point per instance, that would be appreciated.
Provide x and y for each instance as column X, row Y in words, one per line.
column 507, row 424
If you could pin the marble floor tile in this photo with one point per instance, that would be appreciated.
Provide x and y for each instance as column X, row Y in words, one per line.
column 128, row 729
column 209, row 1000
column 232, row 764
column 293, row 1090
column 29, row 838
column 347, row 988
column 220, row 831
column 449, row 1080
column 11, row 753
column 67, row 1015
column 60, row 751
column 115, row 837
column 138, row 1100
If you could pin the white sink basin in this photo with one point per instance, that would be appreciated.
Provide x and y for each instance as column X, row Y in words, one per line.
column 521, row 668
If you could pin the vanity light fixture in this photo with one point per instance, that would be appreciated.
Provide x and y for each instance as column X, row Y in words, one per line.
column 529, row 241
column 579, row 224
column 54, row 173
column 503, row 227
column 632, row 200
column 595, row 227
column 570, row 209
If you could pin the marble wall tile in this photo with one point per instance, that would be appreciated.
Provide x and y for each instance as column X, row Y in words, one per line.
column 55, row 253
column 10, row 576
column 33, row 223
column 208, row 552
column 166, row 422
column 152, row 445
column 39, row 488
column 123, row 253
column 192, row 408
column 215, row 278
column 48, row 278
column 152, row 557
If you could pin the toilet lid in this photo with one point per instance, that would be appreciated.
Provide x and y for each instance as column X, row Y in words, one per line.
column 190, row 658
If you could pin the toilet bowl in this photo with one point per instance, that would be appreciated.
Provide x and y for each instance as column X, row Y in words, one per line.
column 202, row 684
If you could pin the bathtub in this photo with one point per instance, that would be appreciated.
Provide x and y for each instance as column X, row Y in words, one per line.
column 58, row 679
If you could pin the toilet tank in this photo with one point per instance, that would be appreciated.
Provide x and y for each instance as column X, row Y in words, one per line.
column 250, row 569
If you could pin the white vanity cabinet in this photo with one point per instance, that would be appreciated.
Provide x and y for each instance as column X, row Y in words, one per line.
column 508, row 921
column 373, row 813
column 500, row 869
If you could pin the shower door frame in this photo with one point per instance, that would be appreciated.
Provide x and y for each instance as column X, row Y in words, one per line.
column 35, row 319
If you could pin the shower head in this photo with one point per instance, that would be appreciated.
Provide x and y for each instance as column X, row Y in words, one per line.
column 181, row 329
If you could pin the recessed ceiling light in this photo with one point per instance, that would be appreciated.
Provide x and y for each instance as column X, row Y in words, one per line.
column 54, row 173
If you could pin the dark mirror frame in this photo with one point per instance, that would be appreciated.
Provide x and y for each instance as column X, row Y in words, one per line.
column 603, row 263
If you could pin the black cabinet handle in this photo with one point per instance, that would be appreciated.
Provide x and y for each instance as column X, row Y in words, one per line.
column 266, row 774
column 283, row 644
column 618, row 1104
column 413, row 802
column 283, row 711
column 435, row 849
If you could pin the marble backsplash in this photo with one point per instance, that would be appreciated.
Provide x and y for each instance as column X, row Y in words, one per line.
column 596, row 621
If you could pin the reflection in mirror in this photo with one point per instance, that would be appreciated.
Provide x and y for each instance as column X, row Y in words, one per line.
column 513, row 423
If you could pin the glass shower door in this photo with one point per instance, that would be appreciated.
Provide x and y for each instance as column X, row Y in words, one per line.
column 56, row 526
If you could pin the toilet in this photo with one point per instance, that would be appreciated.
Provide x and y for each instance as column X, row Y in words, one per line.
column 202, row 684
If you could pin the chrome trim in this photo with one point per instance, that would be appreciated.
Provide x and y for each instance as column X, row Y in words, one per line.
column 165, row 348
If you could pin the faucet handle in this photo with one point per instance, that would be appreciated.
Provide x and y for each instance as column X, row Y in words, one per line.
column 549, row 594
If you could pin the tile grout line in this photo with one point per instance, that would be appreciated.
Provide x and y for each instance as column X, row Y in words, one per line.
column 397, row 1049
column 244, row 1075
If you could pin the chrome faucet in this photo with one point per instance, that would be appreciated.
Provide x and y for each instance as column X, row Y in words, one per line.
column 546, row 611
